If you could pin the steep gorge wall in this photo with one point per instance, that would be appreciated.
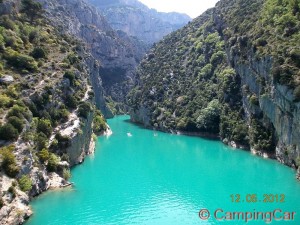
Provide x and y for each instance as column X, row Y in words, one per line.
column 225, row 73
column 80, row 143
column 117, row 53
column 45, row 95
column 277, row 106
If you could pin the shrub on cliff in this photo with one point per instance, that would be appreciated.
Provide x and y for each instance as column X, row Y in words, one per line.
column 8, row 163
column 40, row 140
column 71, row 102
column 5, row 101
column 33, row 36
column 20, row 61
column 84, row 109
column 25, row 183
column 12, row 191
column 70, row 75
column 99, row 124
column 52, row 163
column 18, row 111
column 38, row 53
column 6, row 22
column 209, row 117
column 73, row 58
column 260, row 136
column 1, row 41
column 63, row 141
column 8, row 132
column 254, row 100
column 17, row 123
column 66, row 174
column 59, row 115
column 43, row 155
column 44, row 126
column 65, row 157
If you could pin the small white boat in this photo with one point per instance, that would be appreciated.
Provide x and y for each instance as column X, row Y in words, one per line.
column 129, row 134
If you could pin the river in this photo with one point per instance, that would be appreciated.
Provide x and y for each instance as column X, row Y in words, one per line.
column 140, row 176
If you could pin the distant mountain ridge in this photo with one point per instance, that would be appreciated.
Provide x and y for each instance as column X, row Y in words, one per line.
column 136, row 19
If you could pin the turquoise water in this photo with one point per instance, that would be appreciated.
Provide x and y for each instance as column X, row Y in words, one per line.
column 157, row 178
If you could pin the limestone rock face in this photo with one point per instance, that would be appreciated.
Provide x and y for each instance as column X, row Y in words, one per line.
column 6, row 79
column 80, row 143
column 141, row 116
column 117, row 53
column 136, row 19
column 15, row 209
column 277, row 109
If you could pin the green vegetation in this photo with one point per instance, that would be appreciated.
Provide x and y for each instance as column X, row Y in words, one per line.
column 43, row 155
column 71, row 102
column 41, row 141
column 63, row 141
column 16, row 122
column 25, row 183
column 12, row 191
column 70, row 75
column 32, row 9
column 44, row 126
column 84, row 109
column 189, row 86
column 189, row 80
column 38, row 53
column 65, row 157
column 66, row 174
column 8, row 132
column 5, row 101
column 271, row 27
column 8, row 161
column 52, row 163
column 209, row 117
column 99, row 123
column 20, row 61
column 44, row 78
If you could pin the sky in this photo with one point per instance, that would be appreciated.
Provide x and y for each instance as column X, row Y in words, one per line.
column 193, row 8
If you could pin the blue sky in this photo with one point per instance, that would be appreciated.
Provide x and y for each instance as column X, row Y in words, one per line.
column 191, row 7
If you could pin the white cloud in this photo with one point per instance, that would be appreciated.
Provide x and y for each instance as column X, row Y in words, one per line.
column 191, row 7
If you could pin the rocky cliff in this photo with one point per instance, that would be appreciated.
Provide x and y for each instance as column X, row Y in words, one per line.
column 47, row 106
column 233, row 72
column 136, row 19
column 117, row 53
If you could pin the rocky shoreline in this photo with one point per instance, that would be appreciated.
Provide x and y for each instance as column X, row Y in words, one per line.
column 18, row 210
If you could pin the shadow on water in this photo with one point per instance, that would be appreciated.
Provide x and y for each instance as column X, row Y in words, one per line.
column 192, row 134
column 140, row 125
column 175, row 132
